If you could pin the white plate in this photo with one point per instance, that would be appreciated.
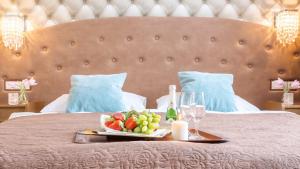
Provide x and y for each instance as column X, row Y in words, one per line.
column 159, row 133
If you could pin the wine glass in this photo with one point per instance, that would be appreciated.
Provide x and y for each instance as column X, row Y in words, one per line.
column 186, row 106
column 198, row 112
column 200, row 106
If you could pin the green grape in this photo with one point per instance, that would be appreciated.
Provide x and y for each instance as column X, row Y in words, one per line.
column 144, row 129
column 153, row 126
column 137, row 130
column 157, row 116
column 140, row 126
column 138, row 121
column 124, row 129
column 142, row 117
column 149, row 131
column 145, row 123
column 156, row 120
column 150, row 119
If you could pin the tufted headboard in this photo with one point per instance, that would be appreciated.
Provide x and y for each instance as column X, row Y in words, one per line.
column 152, row 51
column 43, row 13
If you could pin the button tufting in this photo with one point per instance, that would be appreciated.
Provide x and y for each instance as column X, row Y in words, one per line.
column 4, row 77
column 101, row 38
column 129, row 38
column 60, row 11
column 58, row 67
column 281, row 71
column 250, row 65
column 141, row 59
column 86, row 62
column 170, row 59
column 72, row 43
column 213, row 39
column 45, row 49
column 157, row 37
column 268, row 47
column 114, row 59
column 242, row 42
column 185, row 38
column 17, row 54
column 197, row 59
column 224, row 61
column 296, row 54
column 31, row 73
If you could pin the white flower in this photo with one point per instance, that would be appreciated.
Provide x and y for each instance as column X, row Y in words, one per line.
column 295, row 84
column 25, row 82
column 32, row 81
column 279, row 83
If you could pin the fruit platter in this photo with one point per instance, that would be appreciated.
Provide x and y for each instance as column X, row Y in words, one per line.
column 132, row 124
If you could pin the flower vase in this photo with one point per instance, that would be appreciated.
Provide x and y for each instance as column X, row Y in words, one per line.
column 23, row 96
column 288, row 98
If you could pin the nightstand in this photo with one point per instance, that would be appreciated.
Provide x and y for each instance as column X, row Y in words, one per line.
column 276, row 105
column 6, row 110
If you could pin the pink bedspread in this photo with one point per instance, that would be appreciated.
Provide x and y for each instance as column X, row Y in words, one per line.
column 255, row 141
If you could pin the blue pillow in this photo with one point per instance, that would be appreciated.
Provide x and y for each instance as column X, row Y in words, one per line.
column 96, row 93
column 217, row 89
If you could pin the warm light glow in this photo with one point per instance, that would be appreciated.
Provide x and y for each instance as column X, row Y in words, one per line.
column 287, row 26
column 12, row 30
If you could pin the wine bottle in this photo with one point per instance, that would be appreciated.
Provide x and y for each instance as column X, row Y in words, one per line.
column 171, row 111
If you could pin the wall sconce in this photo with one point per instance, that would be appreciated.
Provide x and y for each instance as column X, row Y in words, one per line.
column 12, row 30
column 287, row 26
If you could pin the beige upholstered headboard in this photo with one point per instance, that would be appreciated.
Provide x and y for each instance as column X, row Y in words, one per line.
column 152, row 51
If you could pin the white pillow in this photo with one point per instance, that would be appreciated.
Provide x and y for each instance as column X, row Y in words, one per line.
column 132, row 101
column 59, row 105
column 241, row 104
column 163, row 102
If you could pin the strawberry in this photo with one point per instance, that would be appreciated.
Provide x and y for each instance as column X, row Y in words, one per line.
column 116, row 125
column 107, row 123
column 119, row 116
column 130, row 123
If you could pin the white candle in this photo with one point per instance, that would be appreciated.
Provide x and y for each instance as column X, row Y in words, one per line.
column 180, row 130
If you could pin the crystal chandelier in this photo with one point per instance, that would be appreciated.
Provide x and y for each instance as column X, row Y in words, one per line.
column 12, row 30
column 287, row 26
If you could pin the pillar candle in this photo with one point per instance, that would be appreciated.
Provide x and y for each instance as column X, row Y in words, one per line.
column 180, row 130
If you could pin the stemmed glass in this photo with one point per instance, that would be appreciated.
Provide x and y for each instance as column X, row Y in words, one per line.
column 199, row 111
column 186, row 106
column 192, row 109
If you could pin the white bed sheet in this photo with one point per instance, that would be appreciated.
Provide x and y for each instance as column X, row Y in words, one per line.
column 22, row 114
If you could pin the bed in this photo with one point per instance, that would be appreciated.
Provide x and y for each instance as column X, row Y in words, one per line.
column 256, row 141
column 152, row 51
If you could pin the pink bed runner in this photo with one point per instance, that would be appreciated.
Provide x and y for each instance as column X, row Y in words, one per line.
column 255, row 141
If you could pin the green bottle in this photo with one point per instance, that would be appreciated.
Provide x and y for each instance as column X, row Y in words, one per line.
column 171, row 114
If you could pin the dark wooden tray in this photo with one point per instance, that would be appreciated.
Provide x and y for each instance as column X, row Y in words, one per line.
column 91, row 136
column 207, row 137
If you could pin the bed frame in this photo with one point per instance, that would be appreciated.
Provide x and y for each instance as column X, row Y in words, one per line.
column 152, row 51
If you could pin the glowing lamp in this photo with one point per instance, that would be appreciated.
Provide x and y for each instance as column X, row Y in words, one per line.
column 12, row 30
